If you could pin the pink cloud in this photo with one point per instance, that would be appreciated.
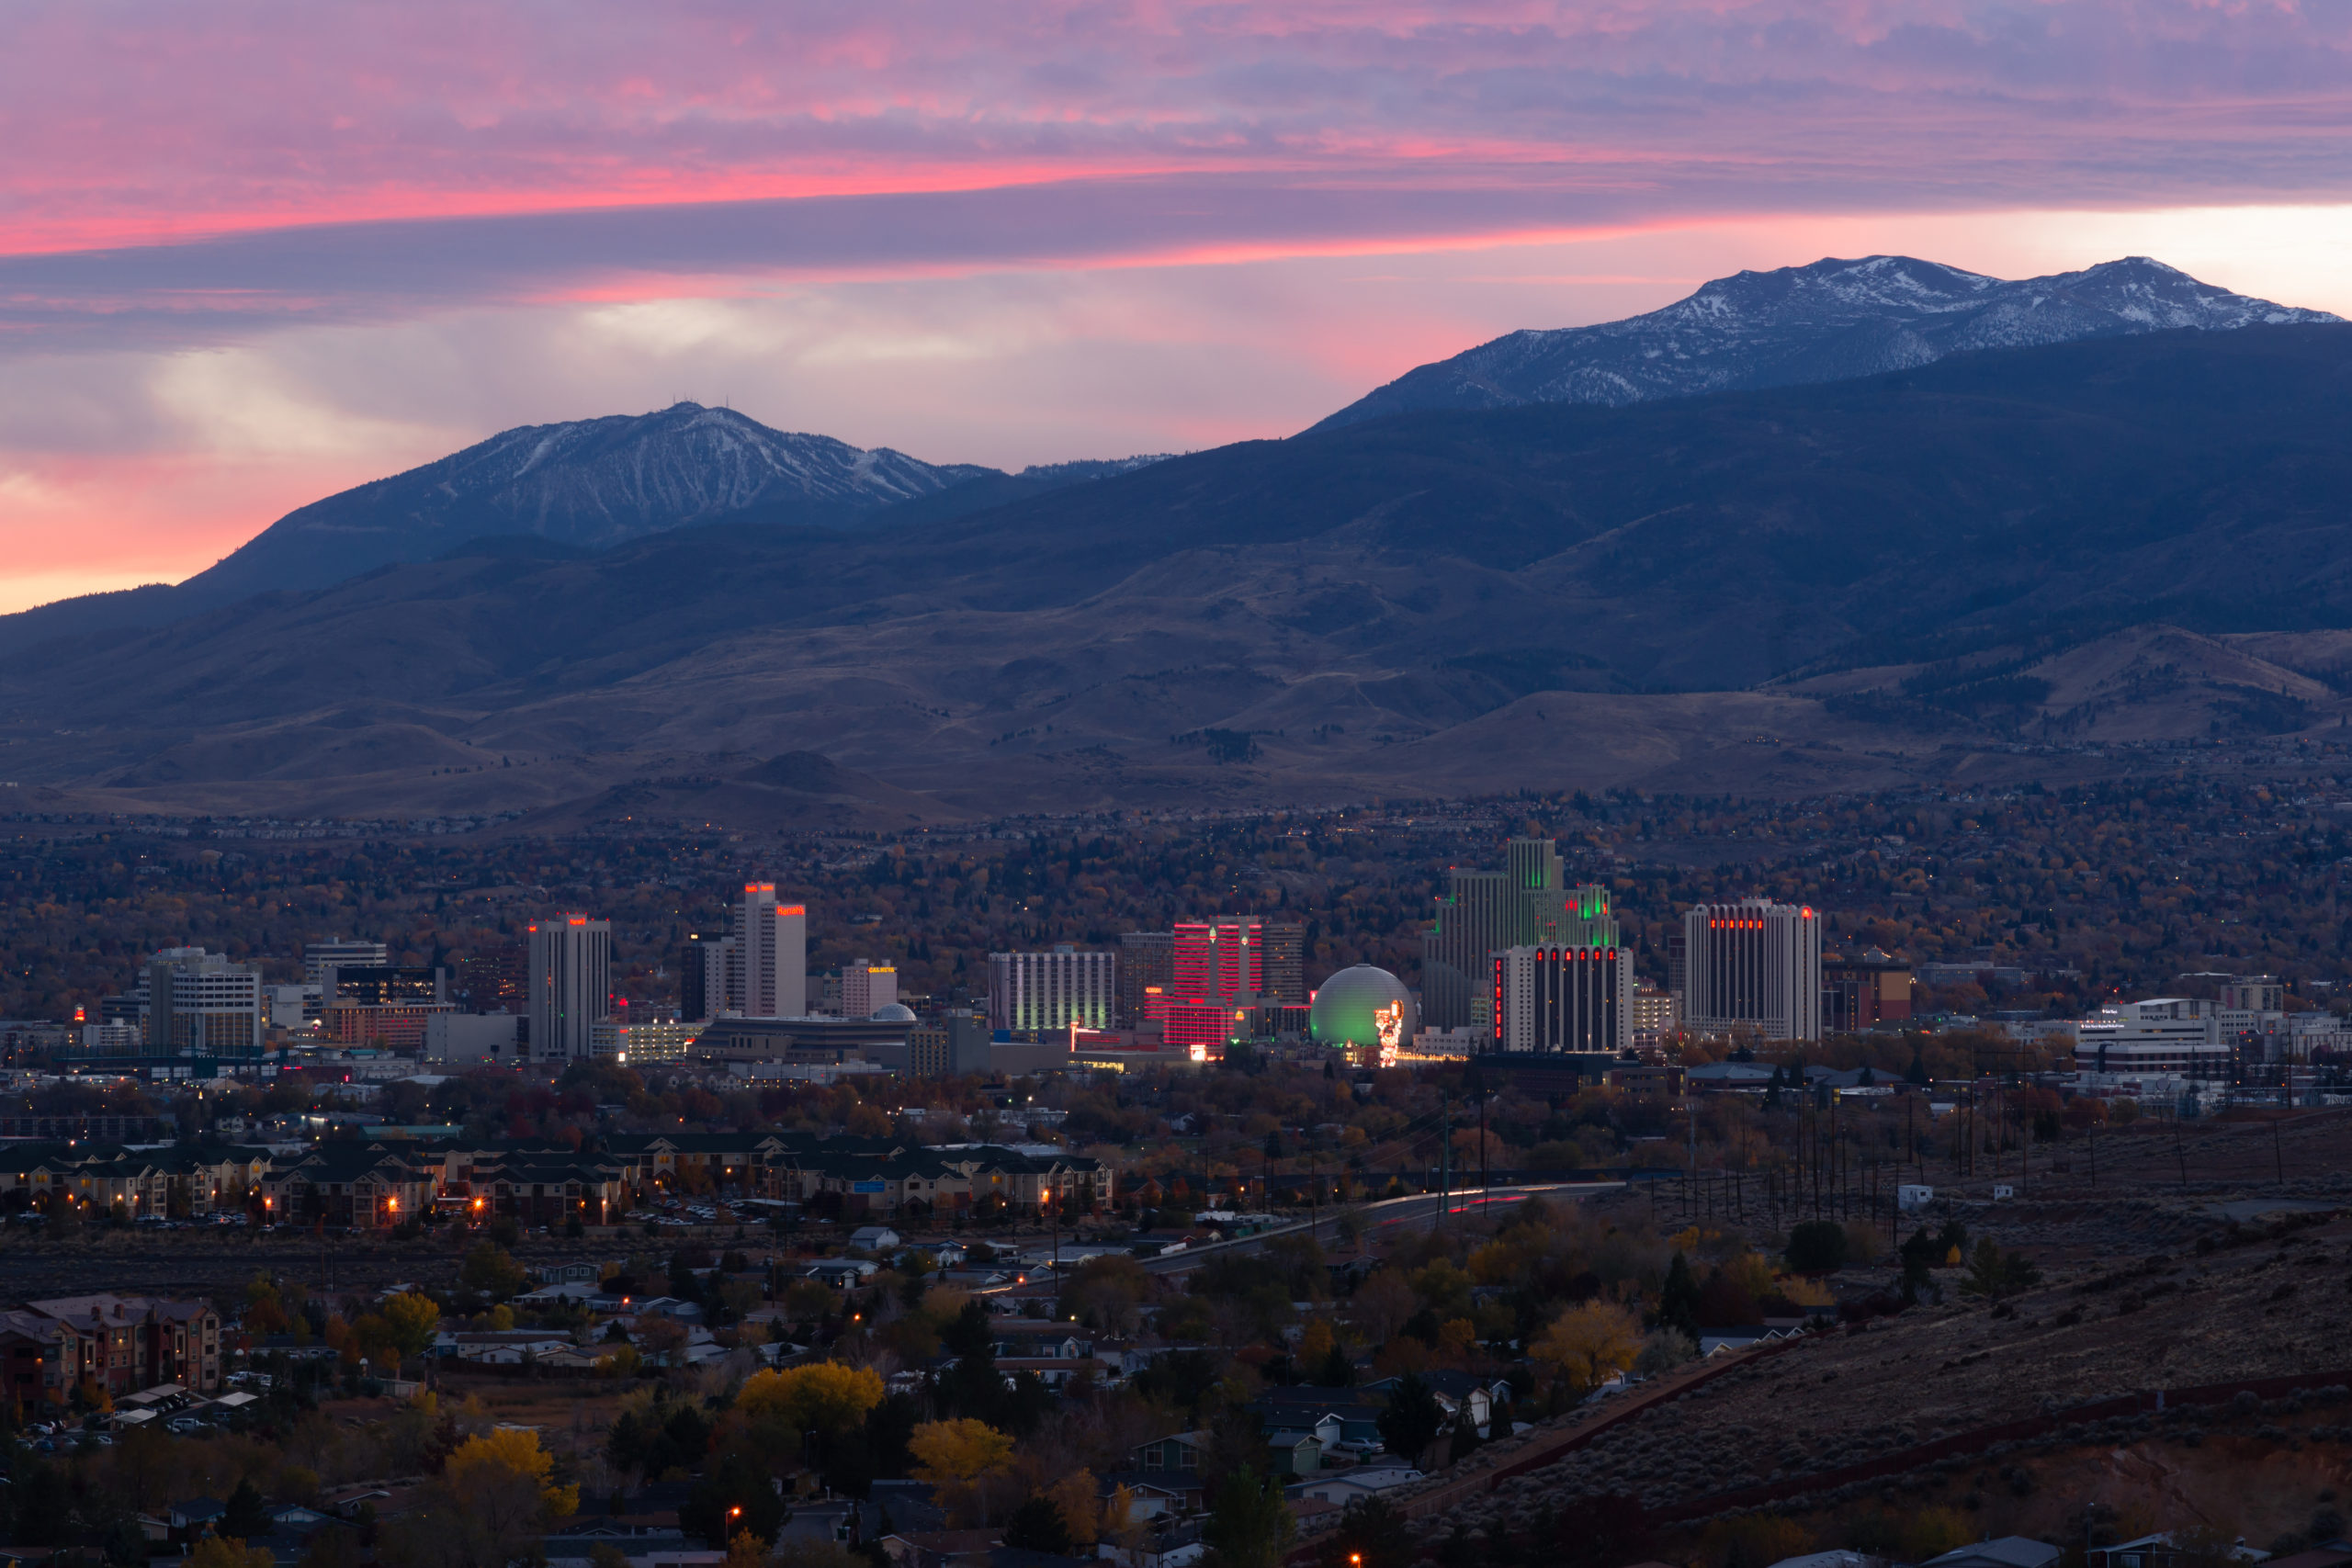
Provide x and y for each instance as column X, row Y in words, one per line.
column 130, row 123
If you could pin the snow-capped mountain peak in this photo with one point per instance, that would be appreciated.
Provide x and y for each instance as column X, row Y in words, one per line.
column 1828, row 321
column 588, row 483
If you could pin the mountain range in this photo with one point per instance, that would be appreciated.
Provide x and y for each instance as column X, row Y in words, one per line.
column 2004, row 563
column 556, row 490
column 1829, row 321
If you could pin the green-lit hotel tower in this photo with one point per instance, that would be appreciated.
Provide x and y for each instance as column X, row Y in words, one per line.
column 1527, row 903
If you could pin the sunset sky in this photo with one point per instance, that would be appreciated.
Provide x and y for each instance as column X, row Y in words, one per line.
column 253, row 253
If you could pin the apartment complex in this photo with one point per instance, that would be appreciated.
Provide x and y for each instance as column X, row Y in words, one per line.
column 109, row 1344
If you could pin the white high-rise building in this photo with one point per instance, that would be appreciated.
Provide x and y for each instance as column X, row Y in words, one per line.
column 772, row 946
column 1053, row 991
column 723, row 968
column 1570, row 1000
column 2181, row 1036
column 571, row 985
column 319, row 957
column 1753, row 967
column 193, row 1003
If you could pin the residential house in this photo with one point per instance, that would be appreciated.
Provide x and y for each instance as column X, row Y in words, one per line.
column 1345, row 1486
column 1054, row 1372
column 676, row 1308
column 1155, row 1492
column 1740, row 1338
column 844, row 1273
column 2146, row 1551
column 195, row 1516
column 2017, row 1552
column 1454, row 1390
column 1178, row 1451
column 1040, row 1336
column 1335, row 1416
column 500, row 1347
column 899, row 1507
column 563, row 1294
column 1295, row 1453
column 639, row 1544
column 939, row 1549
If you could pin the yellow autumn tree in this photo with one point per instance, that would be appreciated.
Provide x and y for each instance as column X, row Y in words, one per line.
column 1588, row 1345
column 1122, row 1522
column 961, row 1459
column 227, row 1551
column 1074, row 1498
column 412, row 1319
column 505, row 1469
column 824, row 1396
column 489, row 1505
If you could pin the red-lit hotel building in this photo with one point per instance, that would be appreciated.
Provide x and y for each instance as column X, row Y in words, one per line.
column 1220, row 969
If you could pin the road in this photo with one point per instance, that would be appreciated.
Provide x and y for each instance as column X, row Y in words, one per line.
column 1386, row 1214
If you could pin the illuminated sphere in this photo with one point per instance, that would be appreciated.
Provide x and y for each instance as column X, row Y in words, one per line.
column 1347, row 1007
column 892, row 1012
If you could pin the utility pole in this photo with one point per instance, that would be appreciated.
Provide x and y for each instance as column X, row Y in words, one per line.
column 1691, row 1105
column 1445, row 1158
column 1483, row 1199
